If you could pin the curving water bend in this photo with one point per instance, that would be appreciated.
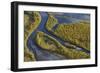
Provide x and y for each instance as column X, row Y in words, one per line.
column 41, row 54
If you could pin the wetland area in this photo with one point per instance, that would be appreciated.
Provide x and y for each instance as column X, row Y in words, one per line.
column 56, row 36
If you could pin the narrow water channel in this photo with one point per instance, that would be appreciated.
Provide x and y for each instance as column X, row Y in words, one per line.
column 40, row 53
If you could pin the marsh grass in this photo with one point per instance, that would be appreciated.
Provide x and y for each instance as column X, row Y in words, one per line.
column 49, row 43
column 31, row 22
column 51, row 22
column 76, row 33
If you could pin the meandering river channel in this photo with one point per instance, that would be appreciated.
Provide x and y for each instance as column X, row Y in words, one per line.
column 41, row 54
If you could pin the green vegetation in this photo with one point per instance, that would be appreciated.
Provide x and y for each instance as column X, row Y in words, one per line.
column 52, row 21
column 31, row 22
column 76, row 33
column 28, row 55
column 49, row 43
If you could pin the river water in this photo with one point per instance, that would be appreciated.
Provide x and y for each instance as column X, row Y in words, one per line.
column 41, row 54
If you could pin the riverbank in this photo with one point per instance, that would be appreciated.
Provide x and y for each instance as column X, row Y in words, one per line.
column 31, row 22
